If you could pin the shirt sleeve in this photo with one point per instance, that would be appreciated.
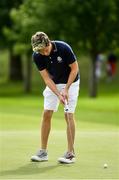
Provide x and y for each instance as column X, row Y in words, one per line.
column 70, row 56
column 39, row 62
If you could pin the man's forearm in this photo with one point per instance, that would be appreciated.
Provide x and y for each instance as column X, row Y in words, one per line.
column 49, row 82
column 72, row 75
column 71, row 79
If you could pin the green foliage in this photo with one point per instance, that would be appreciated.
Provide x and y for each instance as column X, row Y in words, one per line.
column 5, row 20
column 89, row 25
column 27, row 21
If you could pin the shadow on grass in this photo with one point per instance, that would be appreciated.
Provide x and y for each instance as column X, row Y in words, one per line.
column 31, row 168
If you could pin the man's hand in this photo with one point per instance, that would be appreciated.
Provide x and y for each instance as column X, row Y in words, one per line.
column 72, row 76
column 62, row 99
column 64, row 93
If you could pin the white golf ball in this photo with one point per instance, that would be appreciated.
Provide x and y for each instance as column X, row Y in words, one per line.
column 105, row 165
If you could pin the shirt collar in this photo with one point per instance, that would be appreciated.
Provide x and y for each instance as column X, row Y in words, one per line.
column 54, row 46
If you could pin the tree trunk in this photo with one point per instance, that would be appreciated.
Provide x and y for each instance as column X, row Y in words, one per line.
column 15, row 67
column 93, row 80
column 27, row 80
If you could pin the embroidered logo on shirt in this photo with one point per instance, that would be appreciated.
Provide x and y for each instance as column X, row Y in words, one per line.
column 59, row 59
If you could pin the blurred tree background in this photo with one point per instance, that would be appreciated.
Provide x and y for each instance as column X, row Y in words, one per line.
column 90, row 27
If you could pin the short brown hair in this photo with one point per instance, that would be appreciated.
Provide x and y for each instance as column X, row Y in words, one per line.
column 39, row 40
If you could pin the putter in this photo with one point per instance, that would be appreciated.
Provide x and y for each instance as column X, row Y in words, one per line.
column 66, row 109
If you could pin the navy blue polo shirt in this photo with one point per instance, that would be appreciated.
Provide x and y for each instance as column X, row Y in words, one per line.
column 57, row 63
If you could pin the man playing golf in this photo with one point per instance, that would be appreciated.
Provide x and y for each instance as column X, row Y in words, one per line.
column 58, row 67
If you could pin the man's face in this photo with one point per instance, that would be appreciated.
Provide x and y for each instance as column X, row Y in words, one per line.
column 45, row 51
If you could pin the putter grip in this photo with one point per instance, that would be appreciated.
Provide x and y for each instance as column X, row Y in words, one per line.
column 66, row 108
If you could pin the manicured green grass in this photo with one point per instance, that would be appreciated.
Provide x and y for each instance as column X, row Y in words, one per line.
column 93, row 150
column 97, row 139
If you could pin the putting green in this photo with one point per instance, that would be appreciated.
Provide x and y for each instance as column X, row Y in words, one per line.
column 93, row 149
column 97, row 140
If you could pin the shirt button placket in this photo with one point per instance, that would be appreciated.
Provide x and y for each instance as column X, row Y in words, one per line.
column 50, row 60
